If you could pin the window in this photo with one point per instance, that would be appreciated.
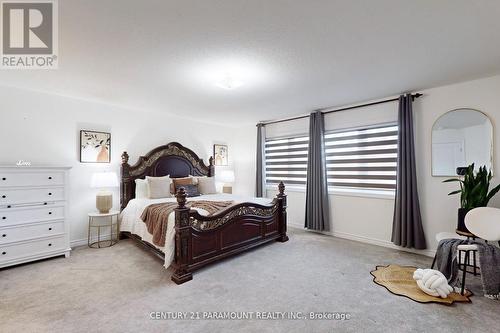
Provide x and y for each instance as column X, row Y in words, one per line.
column 286, row 160
column 362, row 158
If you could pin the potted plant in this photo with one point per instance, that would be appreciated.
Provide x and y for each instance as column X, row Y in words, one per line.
column 474, row 192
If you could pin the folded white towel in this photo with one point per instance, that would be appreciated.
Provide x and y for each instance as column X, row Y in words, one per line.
column 432, row 282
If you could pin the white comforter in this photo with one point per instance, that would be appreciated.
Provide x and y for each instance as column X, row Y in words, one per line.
column 130, row 218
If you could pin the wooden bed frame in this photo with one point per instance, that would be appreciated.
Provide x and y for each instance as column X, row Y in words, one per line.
column 200, row 240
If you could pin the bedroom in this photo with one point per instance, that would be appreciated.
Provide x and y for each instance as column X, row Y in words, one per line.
column 144, row 74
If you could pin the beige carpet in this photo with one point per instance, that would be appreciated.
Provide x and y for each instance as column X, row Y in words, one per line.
column 115, row 290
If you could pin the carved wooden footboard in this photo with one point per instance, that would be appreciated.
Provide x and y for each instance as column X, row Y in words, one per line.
column 200, row 240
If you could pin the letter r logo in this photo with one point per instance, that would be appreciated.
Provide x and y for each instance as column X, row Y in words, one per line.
column 27, row 27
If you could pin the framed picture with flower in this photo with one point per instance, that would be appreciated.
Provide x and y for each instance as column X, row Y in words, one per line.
column 220, row 155
column 95, row 147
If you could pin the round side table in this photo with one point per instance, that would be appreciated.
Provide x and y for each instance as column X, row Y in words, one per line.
column 108, row 221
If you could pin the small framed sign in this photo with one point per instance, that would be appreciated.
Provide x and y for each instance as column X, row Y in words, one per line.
column 95, row 147
column 220, row 155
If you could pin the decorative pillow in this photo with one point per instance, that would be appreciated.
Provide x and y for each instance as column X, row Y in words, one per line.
column 191, row 190
column 195, row 178
column 159, row 187
column 141, row 188
column 206, row 185
column 181, row 182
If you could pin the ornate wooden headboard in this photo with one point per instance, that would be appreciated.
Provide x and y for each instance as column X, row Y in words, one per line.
column 171, row 159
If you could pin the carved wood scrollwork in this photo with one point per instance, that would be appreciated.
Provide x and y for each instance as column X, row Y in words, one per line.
column 205, row 225
column 169, row 150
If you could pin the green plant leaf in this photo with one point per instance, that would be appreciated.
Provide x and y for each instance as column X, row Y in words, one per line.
column 492, row 193
column 452, row 180
column 455, row 192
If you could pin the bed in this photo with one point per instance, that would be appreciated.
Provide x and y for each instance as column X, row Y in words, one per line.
column 193, row 238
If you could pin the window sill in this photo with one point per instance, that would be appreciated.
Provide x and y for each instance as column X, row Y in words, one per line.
column 339, row 191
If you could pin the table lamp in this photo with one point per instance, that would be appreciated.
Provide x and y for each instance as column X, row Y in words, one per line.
column 227, row 177
column 104, row 198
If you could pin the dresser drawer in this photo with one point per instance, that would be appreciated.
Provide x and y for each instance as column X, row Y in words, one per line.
column 17, row 196
column 30, row 214
column 24, row 232
column 26, row 249
column 31, row 179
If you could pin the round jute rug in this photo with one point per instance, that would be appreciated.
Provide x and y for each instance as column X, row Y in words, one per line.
column 399, row 281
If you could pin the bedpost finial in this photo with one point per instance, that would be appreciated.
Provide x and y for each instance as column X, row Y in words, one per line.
column 210, row 161
column 181, row 197
column 124, row 158
column 281, row 188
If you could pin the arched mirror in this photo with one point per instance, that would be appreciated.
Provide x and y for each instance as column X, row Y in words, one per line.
column 459, row 138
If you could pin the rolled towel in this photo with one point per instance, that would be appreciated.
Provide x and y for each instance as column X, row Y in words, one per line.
column 432, row 282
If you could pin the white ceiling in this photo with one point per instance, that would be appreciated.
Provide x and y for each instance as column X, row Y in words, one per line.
column 294, row 56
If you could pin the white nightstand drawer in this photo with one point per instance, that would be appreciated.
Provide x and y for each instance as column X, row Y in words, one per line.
column 17, row 196
column 31, row 179
column 25, row 232
column 25, row 249
column 30, row 214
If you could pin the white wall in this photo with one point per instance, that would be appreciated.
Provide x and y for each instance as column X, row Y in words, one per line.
column 369, row 219
column 439, row 209
column 44, row 129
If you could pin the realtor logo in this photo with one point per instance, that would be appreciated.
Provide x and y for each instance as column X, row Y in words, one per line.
column 29, row 34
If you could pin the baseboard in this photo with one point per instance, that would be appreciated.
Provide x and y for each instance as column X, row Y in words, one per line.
column 84, row 241
column 372, row 241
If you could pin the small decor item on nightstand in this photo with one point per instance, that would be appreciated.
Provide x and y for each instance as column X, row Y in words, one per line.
column 107, row 221
column 227, row 177
column 220, row 155
column 104, row 198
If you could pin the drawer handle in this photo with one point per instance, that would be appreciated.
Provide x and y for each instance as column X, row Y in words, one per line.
column 50, row 229
column 4, row 253
column 50, row 213
column 4, row 217
column 50, row 193
column 45, row 203
column 8, row 206
column 4, row 178
column 50, row 244
column 4, row 196
column 50, row 177
column 4, row 235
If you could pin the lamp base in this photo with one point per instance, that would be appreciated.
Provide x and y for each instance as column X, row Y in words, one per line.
column 104, row 202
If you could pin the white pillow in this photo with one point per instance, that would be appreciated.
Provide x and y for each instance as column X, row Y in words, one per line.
column 195, row 179
column 141, row 188
column 206, row 185
column 159, row 187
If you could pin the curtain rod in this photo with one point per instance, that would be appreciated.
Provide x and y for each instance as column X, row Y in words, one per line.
column 417, row 95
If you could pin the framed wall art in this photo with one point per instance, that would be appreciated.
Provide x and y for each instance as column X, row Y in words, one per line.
column 220, row 155
column 95, row 147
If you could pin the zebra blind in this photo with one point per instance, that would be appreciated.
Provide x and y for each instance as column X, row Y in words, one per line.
column 363, row 158
column 286, row 160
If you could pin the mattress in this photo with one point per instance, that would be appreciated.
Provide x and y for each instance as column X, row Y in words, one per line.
column 130, row 218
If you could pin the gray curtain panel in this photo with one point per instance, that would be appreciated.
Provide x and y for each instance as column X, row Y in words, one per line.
column 260, row 188
column 407, row 228
column 317, row 207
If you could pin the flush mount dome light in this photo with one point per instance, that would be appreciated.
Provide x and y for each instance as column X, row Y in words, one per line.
column 229, row 83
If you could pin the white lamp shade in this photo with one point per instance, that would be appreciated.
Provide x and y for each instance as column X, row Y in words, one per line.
column 104, row 180
column 226, row 176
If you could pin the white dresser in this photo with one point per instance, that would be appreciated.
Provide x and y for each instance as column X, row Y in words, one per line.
column 33, row 214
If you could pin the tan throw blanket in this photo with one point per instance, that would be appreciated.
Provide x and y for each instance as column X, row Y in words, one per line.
column 156, row 216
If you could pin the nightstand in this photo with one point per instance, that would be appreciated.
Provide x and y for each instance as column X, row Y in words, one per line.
column 108, row 221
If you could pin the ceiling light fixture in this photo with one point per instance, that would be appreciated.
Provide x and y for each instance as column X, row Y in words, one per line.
column 229, row 83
